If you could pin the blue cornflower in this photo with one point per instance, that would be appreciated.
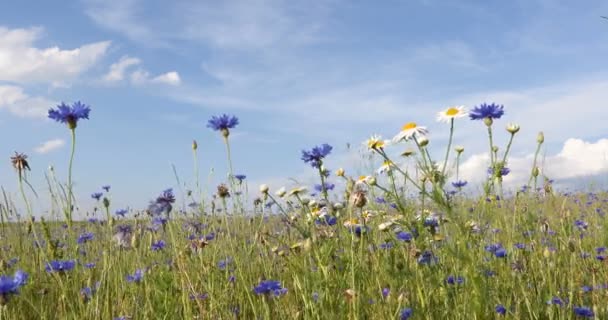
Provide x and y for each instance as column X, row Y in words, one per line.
column 315, row 296
column 97, row 195
column 380, row 200
column 121, row 212
column 520, row 245
column 240, row 177
column 404, row 236
column 10, row 285
column 85, row 237
column 70, row 114
column 87, row 292
column 427, row 258
column 223, row 123
column 90, row 265
column 222, row 264
column 454, row 280
column 269, row 286
column 493, row 247
column 500, row 309
column 359, row 229
column 385, row 292
column 585, row 312
column 582, row 225
column 60, row 266
column 328, row 187
column 386, row 245
column 137, row 276
column 405, row 313
column 459, row 184
column 327, row 220
column 503, row 171
column 315, row 156
column 487, row 111
column 163, row 203
column 106, row 188
column 556, row 301
column 158, row 245
column 500, row 253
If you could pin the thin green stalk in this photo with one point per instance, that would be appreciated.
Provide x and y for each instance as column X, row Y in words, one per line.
column 447, row 151
column 68, row 211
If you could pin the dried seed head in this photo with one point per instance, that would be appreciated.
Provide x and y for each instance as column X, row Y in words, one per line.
column 222, row 191
column 19, row 161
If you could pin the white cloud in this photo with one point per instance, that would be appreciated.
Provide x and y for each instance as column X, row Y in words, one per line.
column 224, row 24
column 21, row 61
column 171, row 78
column 143, row 77
column 49, row 146
column 17, row 102
column 118, row 69
column 577, row 159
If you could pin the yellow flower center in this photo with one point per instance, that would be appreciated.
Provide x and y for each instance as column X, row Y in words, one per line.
column 387, row 163
column 375, row 144
column 452, row 112
column 408, row 126
column 362, row 178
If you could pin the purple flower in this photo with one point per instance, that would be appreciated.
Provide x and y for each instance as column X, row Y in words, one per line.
column 97, row 195
column 240, row 177
column 121, row 212
column 268, row 287
column 404, row 236
column 10, row 285
column 328, row 186
column 500, row 253
column 158, row 245
column 137, row 276
column 483, row 111
column 385, row 292
column 452, row 280
column 405, row 313
column 60, row 266
column 459, row 184
column 584, row 312
column 106, row 188
column 70, row 114
column 163, row 203
column 500, row 309
column 85, row 237
column 223, row 122
column 315, row 156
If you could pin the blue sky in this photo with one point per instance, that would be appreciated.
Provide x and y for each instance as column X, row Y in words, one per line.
column 297, row 74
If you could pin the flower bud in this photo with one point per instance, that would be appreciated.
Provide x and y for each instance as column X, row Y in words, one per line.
column 540, row 138
column 194, row 145
column 264, row 188
column 535, row 171
column 372, row 181
column 340, row 172
column 459, row 149
column 494, row 149
column 513, row 128
column 280, row 193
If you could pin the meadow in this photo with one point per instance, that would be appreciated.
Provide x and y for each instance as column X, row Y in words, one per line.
column 406, row 241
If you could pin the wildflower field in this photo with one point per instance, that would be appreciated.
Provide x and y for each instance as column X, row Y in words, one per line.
column 406, row 241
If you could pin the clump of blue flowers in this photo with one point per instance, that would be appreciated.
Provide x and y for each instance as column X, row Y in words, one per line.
column 267, row 287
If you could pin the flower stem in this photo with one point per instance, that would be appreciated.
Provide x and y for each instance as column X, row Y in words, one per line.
column 69, row 205
column 447, row 151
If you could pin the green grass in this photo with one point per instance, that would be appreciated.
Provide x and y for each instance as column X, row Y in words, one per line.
column 327, row 264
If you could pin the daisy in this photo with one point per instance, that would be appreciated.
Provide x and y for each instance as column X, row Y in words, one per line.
column 363, row 180
column 375, row 142
column 409, row 131
column 297, row 191
column 451, row 113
